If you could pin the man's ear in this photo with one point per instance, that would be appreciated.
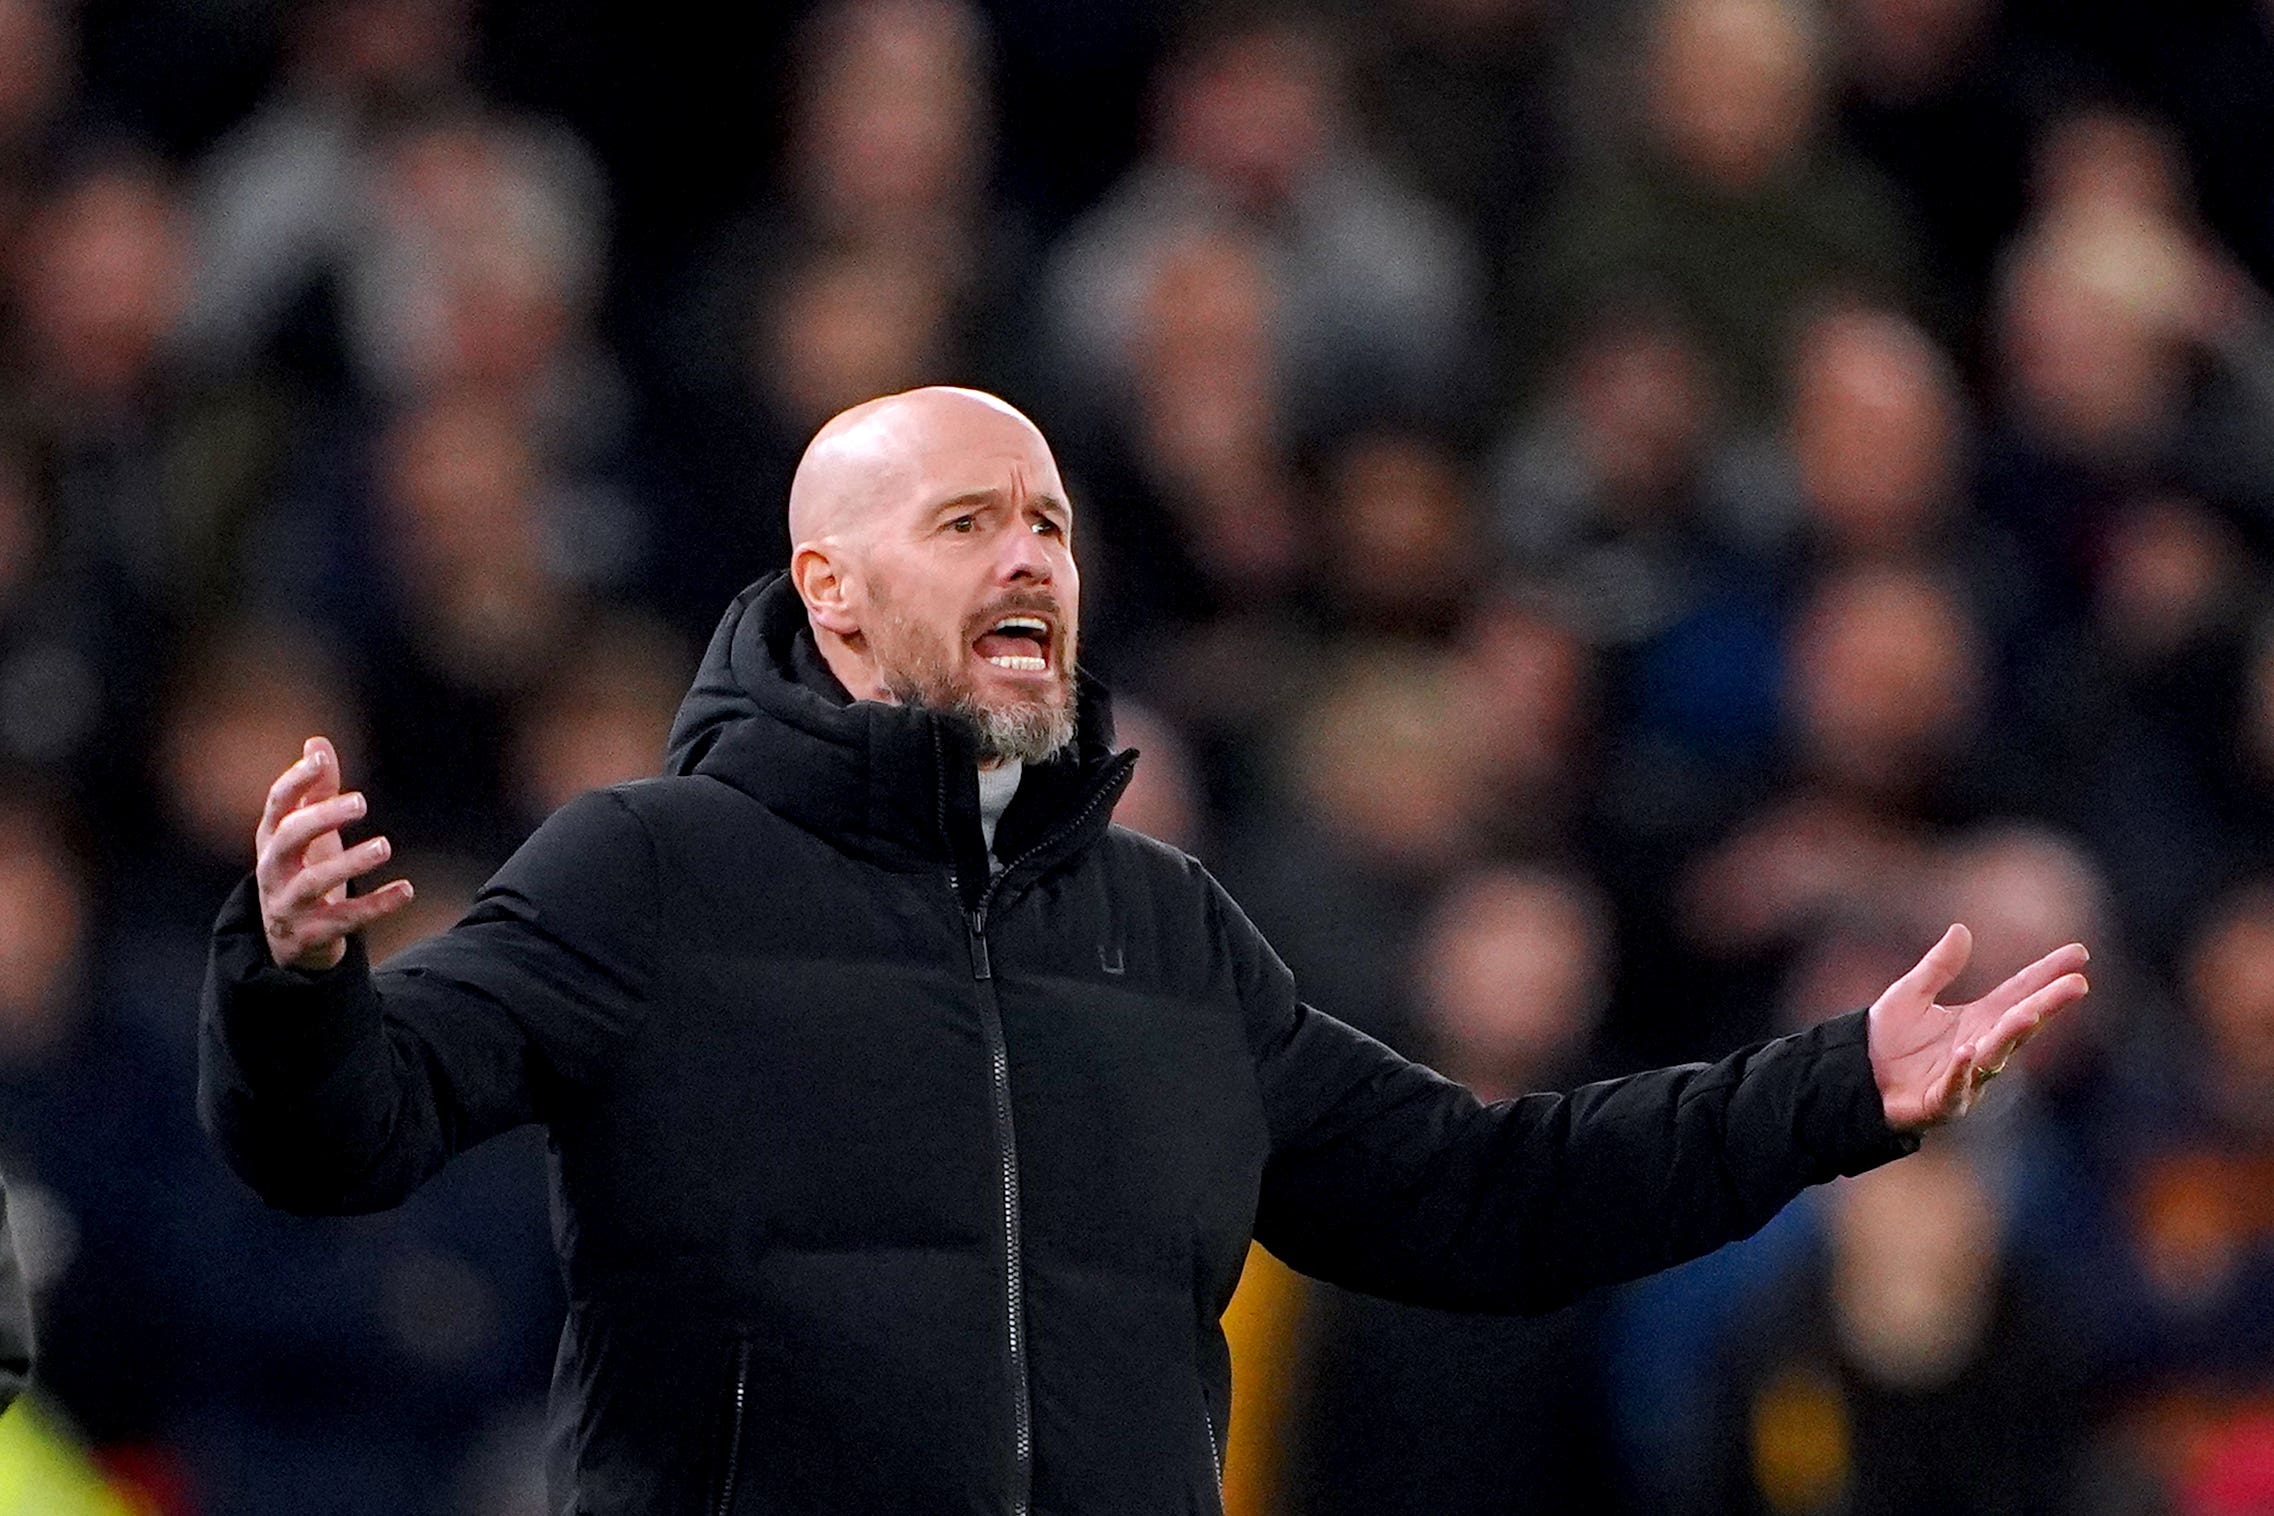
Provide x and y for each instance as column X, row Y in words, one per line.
column 817, row 570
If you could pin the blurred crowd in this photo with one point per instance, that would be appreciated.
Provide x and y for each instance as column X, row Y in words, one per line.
column 1610, row 522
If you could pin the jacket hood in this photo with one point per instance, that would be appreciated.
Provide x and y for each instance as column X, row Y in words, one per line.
column 894, row 783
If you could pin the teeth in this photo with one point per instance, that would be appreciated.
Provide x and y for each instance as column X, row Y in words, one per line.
column 1019, row 661
column 1022, row 623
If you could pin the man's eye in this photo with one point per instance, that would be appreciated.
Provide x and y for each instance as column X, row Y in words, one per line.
column 1046, row 527
column 964, row 524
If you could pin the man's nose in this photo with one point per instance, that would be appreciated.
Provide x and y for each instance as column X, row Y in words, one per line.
column 1026, row 557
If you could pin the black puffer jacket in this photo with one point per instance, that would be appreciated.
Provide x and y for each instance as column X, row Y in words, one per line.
column 884, row 1186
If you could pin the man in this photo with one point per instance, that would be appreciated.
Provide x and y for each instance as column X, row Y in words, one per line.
column 909, row 1122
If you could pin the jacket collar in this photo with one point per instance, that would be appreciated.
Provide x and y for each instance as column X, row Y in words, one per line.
column 896, row 784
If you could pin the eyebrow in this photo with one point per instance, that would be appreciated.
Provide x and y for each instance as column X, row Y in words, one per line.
column 1048, row 504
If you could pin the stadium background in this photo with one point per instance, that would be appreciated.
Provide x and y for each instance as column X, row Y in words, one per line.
column 1613, row 520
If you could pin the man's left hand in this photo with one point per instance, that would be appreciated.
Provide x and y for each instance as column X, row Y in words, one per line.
column 1931, row 1059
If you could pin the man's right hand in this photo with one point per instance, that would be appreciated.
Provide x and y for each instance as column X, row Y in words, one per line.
column 302, row 867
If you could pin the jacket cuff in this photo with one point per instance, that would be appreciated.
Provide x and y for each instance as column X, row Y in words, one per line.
column 1842, row 1118
column 284, row 1027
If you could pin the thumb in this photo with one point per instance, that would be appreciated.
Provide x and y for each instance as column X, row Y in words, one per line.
column 1945, row 961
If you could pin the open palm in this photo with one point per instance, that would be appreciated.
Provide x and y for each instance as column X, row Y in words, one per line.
column 1930, row 1058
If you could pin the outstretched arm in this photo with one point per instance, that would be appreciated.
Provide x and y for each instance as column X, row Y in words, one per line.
column 1386, row 1177
column 333, row 1089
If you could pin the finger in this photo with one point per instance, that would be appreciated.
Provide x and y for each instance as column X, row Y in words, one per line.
column 290, row 788
column 327, row 924
column 2025, row 1020
column 1945, row 961
column 1956, row 1094
column 299, row 828
column 2062, row 960
column 314, row 883
column 359, row 911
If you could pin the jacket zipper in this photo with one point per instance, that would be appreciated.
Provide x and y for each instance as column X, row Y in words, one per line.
column 1215, row 1456
column 734, row 1428
column 1006, row 1133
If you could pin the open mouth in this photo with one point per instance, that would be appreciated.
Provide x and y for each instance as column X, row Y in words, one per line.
column 1020, row 644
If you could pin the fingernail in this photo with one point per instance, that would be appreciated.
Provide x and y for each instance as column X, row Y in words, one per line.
column 359, row 805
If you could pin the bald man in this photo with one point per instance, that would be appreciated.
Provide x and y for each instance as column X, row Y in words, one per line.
column 910, row 1122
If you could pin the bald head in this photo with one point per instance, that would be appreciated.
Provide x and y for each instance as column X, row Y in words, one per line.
column 933, row 547
column 867, row 459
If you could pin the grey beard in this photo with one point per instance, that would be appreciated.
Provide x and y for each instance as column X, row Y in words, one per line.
column 1023, row 734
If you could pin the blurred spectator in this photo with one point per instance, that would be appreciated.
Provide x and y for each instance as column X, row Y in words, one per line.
column 93, row 1163
column 1734, row 205
column 600, row 719
column 1602, row 493
column 1880, row 446
column 1387, row 793
column 2151, row 704
column 1887, row 739
column 1379, row 292
column 1199, row 527
column 1917, row 1336
column 284, row 201
column 1534, row 685
column 37, row 69
column 1934, row 97
column 2133, row 356
column 150, row 478
column 1418, row 1410
column 1462, row 94
column 1405, row 553
column 241, row 694
column 1164, row 799
column 483, row 578
column 74, row 675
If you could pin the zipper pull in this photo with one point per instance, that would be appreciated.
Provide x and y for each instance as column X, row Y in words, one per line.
column 980, row 968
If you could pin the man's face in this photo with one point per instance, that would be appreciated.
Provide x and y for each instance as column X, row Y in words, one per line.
column 971, row 592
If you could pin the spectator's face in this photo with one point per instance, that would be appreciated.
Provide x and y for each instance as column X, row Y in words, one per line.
column 460, row 481
column 1874, row 431
column 103, row 276
column 1512, row 977
column 239, row 724
column 1534, row 676
column 2231, row 975
column 1391, row 760
column 2088, row 332
column 1914, row 1249
column 1736, row 88
column 1400, row 546
column 32, row 68
column 1906, row 48
column 1887, row 677
column 2170, row 572
column 894, row 111
column 1255, row 114
column 977, row 533
column 43, row 911
column 846, row 327
column 603, row 721
column 1640, row 395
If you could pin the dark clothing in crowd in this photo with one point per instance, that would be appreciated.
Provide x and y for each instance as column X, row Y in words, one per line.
column 885, row 1182
column 1806, row 1427
column 15, row 1315
column 1420, row 1411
